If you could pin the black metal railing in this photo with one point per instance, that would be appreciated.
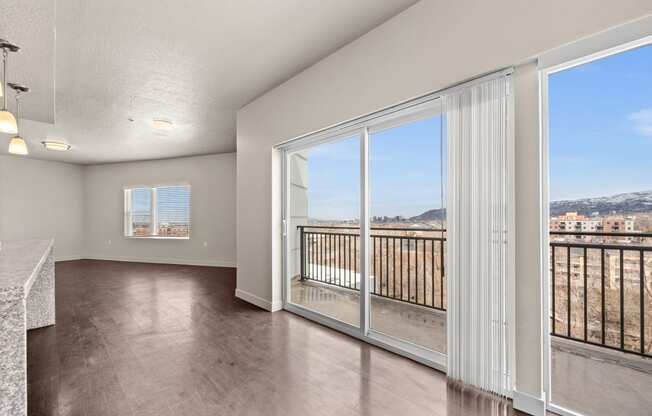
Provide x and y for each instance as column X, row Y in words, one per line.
column 600, row 286
column 601, row 283
column 406, row 264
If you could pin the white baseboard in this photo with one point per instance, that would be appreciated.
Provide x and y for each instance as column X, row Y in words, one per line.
column 529, row 404
column 68, row 258
column 258, row 301
column 209, row 263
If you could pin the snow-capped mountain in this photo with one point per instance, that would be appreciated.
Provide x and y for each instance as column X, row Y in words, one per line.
column 627, row 203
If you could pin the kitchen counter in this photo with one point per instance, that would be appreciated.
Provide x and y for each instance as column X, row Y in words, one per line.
column 26, row 302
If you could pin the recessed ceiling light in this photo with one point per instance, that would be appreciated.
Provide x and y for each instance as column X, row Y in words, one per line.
column 162, row 124
column 58, row 146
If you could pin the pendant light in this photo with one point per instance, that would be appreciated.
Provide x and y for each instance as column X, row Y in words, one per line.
column 7, row 120
column 17, row 145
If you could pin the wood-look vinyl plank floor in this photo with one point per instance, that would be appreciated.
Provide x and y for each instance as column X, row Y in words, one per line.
column 140, row 339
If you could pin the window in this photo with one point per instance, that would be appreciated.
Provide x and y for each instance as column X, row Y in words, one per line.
column 596, row 118
column 157, row 212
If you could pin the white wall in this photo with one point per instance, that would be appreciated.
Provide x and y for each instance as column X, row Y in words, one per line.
column 529, row 323
column 213, row 204
column 81, row 207
column 426, row 48
column 41, row 199
column 298, row 214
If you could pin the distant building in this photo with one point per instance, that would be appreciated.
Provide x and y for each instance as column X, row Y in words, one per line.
column 572, row 221
column 618, row 224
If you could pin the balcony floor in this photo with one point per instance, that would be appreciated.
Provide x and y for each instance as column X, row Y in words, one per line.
column 589, row 383
column 422, row 326
column 597, row 384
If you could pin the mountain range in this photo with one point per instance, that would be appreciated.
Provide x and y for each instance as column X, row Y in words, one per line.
column 627, row 203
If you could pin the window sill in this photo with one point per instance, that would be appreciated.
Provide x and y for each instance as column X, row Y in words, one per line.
column 155, row 237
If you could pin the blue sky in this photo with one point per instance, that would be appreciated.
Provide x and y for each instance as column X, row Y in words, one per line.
column 404, row 173
column 600, row 144
column 601, row 127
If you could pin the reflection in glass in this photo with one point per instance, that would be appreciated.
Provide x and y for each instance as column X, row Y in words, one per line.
column 407, row 242
column 325, row 229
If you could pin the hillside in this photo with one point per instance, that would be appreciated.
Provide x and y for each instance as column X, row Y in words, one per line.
column 436, row 214
column 627, row 203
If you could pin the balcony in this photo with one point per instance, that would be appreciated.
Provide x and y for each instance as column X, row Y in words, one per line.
column 601, row 357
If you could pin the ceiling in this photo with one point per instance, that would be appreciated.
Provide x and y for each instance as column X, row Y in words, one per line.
column 101, row 70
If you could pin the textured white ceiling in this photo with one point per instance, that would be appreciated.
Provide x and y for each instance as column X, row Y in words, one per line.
column 195, row 63
column 30, row 24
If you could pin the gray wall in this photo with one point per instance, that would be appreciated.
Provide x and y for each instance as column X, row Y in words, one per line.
column 529, row 323
column 213, row 204
column 81, row 207
column 428, row 47
column 298, row 214
column 42, row 199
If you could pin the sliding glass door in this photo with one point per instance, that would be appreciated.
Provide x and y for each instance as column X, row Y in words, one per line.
column 324, row 228
column 598, row 126
column 377, row 248
column 408, row 238
column 365, row 235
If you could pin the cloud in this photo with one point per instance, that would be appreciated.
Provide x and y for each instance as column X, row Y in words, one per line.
column 642, row 121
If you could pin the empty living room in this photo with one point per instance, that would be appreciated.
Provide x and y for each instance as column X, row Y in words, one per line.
column 309, row 207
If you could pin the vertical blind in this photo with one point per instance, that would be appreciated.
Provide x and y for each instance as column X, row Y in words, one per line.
column 480, row 234
column 162, row 211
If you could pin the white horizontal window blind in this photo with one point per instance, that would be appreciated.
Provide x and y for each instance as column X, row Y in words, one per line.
column 161, row 212
column 173, row 211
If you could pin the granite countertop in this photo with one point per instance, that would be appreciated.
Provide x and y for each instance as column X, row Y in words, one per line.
column 20, row 262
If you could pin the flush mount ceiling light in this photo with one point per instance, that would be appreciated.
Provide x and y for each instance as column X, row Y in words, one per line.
column 55, row 145
column 17, row 145
column 7, row 120
column 162, row 124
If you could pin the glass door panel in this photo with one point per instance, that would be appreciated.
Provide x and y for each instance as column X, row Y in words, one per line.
column 324, row 229
column 600, row 253
column 407, row 242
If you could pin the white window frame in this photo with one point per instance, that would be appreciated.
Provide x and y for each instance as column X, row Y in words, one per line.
column 611, row 42
column 127, row 223
column 410, row 350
